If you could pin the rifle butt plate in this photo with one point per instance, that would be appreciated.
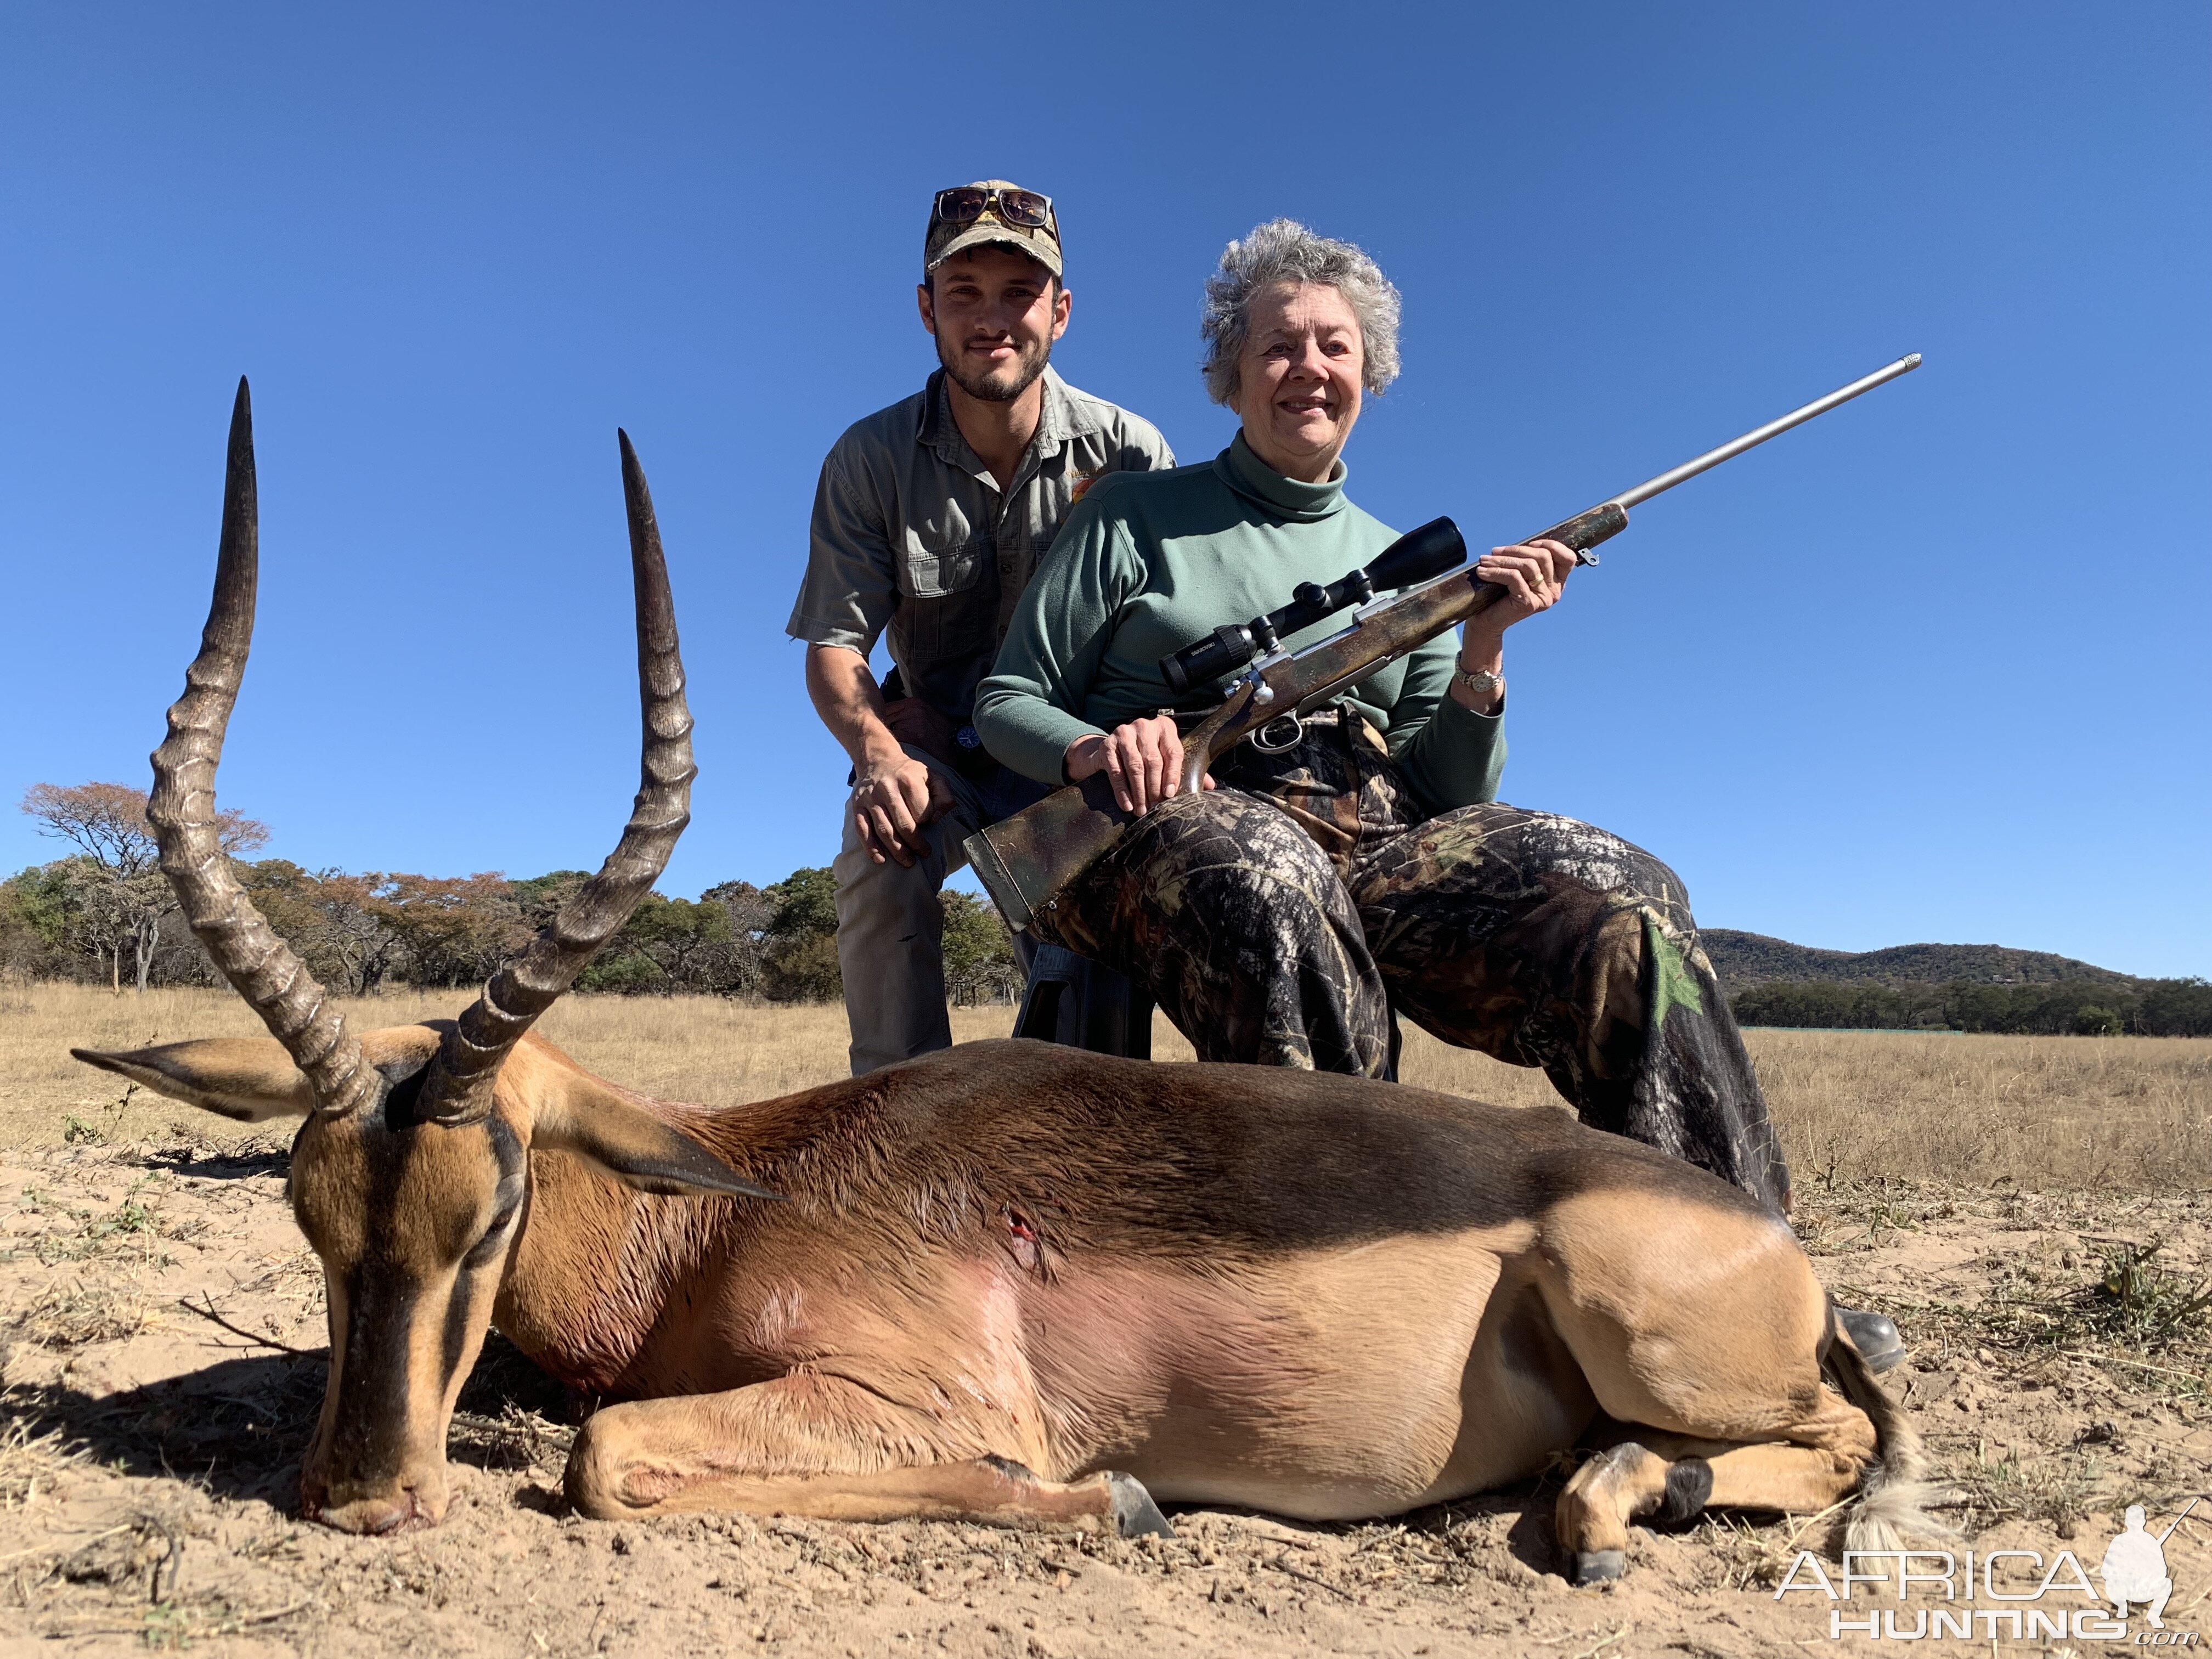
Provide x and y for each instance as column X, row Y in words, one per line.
column 999, row 881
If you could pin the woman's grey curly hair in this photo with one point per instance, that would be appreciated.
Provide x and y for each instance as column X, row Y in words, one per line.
column 1284, row 251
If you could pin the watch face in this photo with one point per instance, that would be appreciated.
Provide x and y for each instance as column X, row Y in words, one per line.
column 1481, row 684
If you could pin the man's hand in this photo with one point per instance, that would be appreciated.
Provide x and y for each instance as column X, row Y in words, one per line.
column 895, row 797
column 1143, row 760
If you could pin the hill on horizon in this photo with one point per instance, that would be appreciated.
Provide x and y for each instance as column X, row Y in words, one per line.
column 1743, row 960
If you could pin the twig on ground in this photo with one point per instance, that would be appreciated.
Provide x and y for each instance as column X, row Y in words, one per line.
column 2138, row 1364
column 174, row 1561
column 1285, row 1566
column 50, row 1549
column 281, row 1613
column 1893, row 1298
column 1601, row 1647
column 209, row 1312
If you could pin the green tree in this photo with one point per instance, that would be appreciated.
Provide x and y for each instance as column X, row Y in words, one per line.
column 120, row 896
column 2175, row 1007
column 800, row 959
column 35, row 928
column 669, row 945
column 804, row 903
column 804, row 968
column 1833, row 1005
column 979, row 952
column 538, row 899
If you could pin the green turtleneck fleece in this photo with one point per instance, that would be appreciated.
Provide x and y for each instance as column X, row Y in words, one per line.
column 1149, row 562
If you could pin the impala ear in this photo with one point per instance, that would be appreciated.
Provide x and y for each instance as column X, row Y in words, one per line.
column 585, row 1118
column 249, row 1078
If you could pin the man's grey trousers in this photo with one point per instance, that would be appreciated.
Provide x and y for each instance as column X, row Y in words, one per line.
column 890, row 925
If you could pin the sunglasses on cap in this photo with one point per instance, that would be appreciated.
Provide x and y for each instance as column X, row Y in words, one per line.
column 966, row 203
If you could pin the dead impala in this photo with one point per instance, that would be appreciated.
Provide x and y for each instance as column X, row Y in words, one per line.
column 1009, row 1283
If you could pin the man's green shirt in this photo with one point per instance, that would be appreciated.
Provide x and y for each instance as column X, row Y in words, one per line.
column 1150, row 561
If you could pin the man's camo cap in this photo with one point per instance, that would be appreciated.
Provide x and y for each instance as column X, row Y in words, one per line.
column 945, row 238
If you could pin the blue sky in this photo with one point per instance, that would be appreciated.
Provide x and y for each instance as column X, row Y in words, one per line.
column 1933, row 668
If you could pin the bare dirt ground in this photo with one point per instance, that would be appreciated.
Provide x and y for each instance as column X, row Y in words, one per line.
column 162, row 1324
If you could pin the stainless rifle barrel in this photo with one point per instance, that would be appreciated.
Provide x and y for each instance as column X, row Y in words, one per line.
column 1729, row 451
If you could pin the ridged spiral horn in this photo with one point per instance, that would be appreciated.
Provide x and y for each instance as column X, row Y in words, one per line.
column 457, row 1088
column 259, row 964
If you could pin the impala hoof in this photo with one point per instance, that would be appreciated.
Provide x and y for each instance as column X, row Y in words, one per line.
column 1600, row 1566
column 1135, row 1515
column 1875, row 1335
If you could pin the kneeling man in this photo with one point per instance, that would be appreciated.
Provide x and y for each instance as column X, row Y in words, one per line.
column 929, row 519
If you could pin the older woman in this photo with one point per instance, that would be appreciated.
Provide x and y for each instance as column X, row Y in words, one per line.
column 1279, row 917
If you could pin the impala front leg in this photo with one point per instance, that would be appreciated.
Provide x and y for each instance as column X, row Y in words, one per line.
column 827, row 1449
column 1671, row 1479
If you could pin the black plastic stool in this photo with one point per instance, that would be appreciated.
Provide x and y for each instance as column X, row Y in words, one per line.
column 1071, row 999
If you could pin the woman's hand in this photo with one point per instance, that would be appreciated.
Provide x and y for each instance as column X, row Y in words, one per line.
column 1143, row 760
column 1533, row 574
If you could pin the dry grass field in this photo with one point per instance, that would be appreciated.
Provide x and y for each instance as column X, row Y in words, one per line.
column 2113, row 1114
column 2036, row 1212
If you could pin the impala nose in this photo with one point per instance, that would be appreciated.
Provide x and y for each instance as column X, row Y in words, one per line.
column 378, row 1516
column 374, row 1515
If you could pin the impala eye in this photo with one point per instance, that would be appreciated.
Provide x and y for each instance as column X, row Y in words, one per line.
column 494, row 1236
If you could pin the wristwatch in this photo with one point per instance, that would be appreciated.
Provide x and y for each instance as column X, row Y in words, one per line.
column 1482, row 685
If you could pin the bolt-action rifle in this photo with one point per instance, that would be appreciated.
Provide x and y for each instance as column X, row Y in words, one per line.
column 1024, row 861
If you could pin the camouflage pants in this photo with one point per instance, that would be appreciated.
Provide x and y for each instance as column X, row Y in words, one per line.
column 1280, row 919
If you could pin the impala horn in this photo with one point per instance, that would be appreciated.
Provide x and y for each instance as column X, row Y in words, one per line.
column 260, row 965
column 459, row 1087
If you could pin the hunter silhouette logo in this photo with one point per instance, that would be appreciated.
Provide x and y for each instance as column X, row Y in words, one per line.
column 2134, row 1568
column 2031, row 1597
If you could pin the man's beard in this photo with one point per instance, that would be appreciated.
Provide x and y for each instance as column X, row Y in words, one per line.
column 988, row 387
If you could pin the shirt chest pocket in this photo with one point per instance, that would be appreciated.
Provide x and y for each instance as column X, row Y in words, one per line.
column 948, row 609
column 935, row 572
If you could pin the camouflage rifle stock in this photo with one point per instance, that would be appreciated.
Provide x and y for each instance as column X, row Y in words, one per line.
column 1024, row 861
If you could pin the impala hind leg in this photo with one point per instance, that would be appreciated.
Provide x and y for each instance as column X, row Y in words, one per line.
column 1670, row 1479
column 830, row 1449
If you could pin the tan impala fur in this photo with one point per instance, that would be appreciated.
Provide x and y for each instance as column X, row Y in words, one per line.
column 1004, row 1273
column 1010, row 1282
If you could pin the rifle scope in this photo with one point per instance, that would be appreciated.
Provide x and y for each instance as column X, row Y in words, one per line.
column 1415, row 556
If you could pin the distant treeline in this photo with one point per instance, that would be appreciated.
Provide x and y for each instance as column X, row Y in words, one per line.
column 360, row 932
column 2146, row 1007
column 1743, row 960
column 106, row 913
